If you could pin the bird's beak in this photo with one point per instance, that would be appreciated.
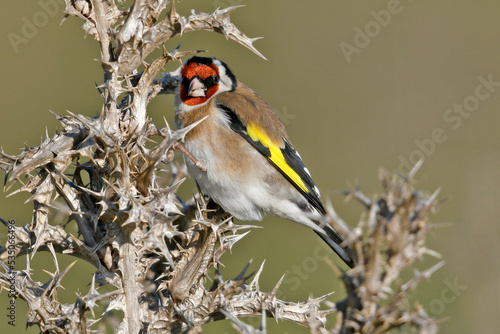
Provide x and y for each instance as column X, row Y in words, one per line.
column 196, row 88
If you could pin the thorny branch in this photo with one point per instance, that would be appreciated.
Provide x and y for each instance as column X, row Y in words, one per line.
column 156, row 250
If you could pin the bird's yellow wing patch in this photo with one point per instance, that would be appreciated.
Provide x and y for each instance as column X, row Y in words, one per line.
column 276, row 156
column 285, row 159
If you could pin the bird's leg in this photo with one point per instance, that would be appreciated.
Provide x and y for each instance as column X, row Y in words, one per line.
column 216, row 212
column 201, row 164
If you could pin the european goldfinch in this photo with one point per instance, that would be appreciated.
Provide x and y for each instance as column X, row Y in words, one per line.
column 246, row 162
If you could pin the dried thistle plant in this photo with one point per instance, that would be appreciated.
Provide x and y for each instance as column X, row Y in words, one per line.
column 154, row 249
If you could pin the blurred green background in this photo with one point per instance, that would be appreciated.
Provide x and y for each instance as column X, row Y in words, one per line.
column 352, row 102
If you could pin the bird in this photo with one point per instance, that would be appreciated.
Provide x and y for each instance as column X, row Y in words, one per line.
column 240, row 155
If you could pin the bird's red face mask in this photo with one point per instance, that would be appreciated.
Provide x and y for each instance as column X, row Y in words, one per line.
column 199, row 83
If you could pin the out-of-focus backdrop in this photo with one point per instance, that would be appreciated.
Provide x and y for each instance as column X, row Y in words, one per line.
column 359, row 85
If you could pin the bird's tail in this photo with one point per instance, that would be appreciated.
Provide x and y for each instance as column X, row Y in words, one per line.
column 334, row 240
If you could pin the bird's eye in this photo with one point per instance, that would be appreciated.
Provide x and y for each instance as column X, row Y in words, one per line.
column 211, row 81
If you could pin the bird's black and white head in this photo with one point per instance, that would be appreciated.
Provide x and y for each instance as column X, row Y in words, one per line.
column 202, row 79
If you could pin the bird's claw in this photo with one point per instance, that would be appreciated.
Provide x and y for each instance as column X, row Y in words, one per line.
column 202, row 165
column 170, row 155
